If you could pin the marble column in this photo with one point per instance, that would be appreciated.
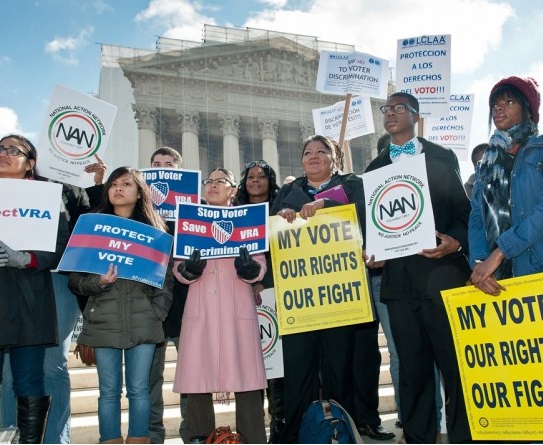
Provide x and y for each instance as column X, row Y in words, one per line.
column 146, row 118
column 268, row 133
column 230, row 135
column 189, row 121
column 306, row 129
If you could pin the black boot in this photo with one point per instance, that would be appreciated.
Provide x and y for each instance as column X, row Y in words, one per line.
column 31, row 418
column 276, row 408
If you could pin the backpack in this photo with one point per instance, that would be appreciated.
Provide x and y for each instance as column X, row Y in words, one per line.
column 326, row 421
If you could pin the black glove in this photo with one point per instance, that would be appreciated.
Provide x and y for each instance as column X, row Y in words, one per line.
column 246, row 267
column 193, row 267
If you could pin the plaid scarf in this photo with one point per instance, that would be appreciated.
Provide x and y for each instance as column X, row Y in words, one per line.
column 495, row 175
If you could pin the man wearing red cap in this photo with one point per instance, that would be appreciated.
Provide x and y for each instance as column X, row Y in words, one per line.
column 505, row 230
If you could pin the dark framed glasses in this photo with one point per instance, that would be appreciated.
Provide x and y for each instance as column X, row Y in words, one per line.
column 398, row 108
column 12, row 151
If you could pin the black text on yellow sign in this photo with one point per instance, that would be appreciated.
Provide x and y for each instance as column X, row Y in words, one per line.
column 319, row 271
column 499, row 346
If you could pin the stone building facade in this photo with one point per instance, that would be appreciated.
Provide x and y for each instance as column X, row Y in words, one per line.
column 237, row 96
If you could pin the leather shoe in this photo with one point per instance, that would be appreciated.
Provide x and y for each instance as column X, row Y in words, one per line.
column 376, row 432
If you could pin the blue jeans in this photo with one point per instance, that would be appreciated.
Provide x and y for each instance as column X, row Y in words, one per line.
column 110, row 381
column 57, row 377
column 27, row 365
column 382, row 313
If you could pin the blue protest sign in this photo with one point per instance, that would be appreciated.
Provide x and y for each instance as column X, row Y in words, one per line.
column 171, row 185
column 140, row 251
column 220, row 231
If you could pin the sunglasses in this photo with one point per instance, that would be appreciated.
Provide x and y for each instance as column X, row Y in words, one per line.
column 261, row 164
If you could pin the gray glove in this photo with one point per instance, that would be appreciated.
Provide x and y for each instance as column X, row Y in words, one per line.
column 13, row 258
column 3, row 257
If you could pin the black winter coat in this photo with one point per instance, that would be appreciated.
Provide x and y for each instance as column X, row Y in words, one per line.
column 28, row 315
column 124, row 314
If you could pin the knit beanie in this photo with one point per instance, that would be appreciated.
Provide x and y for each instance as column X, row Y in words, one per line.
column 528, row 87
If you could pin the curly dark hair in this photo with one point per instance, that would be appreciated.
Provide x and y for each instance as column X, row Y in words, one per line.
column 242, row 197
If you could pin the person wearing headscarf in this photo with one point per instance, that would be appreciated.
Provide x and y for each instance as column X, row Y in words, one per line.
column 505, row 230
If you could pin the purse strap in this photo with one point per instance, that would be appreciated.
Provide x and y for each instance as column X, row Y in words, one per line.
column 356, row 435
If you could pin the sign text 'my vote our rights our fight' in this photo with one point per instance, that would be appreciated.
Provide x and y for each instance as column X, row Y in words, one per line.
column 507, row 351
column 318, row 268
column 319, row 264
column 319, row 271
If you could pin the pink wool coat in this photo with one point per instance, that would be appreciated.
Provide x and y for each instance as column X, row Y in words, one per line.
column 219, row 345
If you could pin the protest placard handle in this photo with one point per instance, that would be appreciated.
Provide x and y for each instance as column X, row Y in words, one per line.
column 348, row 165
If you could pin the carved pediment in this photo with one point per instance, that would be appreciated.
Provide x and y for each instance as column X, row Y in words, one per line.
column 277, row 60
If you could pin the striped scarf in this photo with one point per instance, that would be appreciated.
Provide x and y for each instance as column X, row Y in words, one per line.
column 495, row 175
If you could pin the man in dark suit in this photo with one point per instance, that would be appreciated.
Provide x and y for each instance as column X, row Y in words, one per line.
column 411, row 285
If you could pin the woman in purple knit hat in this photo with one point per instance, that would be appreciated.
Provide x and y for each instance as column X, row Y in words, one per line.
column 505, row 230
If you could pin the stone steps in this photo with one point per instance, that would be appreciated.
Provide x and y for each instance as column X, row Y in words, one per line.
column 84, row 399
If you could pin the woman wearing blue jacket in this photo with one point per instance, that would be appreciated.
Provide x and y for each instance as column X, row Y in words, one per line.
column 505, row 230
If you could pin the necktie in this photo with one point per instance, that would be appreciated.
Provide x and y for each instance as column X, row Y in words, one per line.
column 396, row 150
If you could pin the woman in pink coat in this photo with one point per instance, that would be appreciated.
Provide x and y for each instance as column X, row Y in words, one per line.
column 219, row 345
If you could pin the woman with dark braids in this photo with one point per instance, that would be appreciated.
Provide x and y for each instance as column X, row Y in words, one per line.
column 505, row 230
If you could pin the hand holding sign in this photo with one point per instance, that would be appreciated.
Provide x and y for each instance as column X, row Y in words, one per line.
column 111, row 276
column 15, row 258
column 193, row 267
column 246, row 267
column 99, row 170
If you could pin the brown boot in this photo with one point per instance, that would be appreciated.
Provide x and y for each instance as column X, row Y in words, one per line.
column 138, row 439
column 116, row 440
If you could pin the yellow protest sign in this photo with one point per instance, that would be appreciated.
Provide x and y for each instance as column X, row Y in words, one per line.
column 499, row 346
column 319, row 271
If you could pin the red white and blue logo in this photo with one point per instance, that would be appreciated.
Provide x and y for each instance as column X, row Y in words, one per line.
column 159, row 192
column 222, row 231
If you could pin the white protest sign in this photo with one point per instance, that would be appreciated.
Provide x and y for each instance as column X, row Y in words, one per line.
column 423, row 69
column 327, row 121
column 29, row 214
column 354, row 73
column 78, row 328
column 272, row 345
column 399, row 216
column 76, row 128
column 453, row 130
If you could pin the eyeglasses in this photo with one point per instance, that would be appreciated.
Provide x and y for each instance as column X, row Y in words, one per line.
column 398, row 108
column 218, row 181
column 261, row 164
column 12, row 151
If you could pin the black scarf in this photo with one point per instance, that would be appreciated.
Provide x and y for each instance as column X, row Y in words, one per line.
column 495, row 173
